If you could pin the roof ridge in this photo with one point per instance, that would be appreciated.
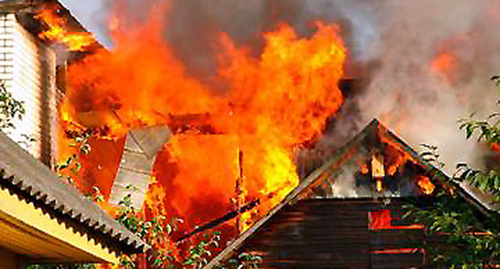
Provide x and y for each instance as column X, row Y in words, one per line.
column 293, row 195
column 373, row 131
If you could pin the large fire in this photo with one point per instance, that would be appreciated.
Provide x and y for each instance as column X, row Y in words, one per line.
column 269, row 105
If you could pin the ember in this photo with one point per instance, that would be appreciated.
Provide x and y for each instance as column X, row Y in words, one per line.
column 382, row 219
column 425, row 184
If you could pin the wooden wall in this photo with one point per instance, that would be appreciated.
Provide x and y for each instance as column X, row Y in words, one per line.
column 334, row 233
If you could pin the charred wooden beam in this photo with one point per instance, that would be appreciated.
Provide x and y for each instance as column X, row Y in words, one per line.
column 216, row 222
column 196, row 123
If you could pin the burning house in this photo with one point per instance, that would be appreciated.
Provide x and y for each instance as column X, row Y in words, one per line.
column 173, row 167
column 348, row 213
column 201, row 148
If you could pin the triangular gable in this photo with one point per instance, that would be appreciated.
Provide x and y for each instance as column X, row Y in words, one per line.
column 374, row 164
column 374, row 138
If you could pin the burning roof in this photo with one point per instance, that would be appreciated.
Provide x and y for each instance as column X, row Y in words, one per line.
column 412, row 176
column 53, row 23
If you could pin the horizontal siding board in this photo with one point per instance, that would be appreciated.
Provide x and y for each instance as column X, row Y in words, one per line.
column 333, row 233
column 403, row 260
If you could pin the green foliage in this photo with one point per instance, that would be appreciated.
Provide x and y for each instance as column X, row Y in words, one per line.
column 69, row 169
column 466, row 237
column 199, row 254
column 10, row 109
column 60, row 266
column 157, row 232
column 488, row 129
column 244, row 260
column 462, row 236
column 430, row 154
column 489, row 132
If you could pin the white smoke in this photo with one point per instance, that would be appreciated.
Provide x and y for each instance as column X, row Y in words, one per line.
column 415, row 101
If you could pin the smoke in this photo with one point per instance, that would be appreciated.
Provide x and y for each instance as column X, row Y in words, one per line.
column 392, row 45
column 423, row 105
column 193, row 28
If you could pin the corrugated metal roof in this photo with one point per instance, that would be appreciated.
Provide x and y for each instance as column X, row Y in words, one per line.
column 22, row 174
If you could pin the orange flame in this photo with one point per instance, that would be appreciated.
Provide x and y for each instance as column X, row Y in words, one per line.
column 57, row 32
column 445, row 65
column 495, row 147
column 272, row 103
column 382, row 219
column 425, row 184
column 279, row 100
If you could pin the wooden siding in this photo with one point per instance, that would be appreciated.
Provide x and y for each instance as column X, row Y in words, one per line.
column 334, row 233
column 27, row 67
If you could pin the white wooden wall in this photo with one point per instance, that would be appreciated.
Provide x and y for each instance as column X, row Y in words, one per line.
column 27, row 67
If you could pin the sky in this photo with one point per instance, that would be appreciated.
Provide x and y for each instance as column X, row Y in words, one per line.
column 92, row 15
column 393, row 42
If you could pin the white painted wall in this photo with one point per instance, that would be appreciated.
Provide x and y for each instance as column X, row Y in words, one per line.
column 27, row 67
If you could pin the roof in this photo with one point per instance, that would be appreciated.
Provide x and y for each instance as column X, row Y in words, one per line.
column 374, row 134
column 25, row 176
column 28, row 8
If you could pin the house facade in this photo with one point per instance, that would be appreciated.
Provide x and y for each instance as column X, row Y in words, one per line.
column 28, row 71
column 348, row 213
